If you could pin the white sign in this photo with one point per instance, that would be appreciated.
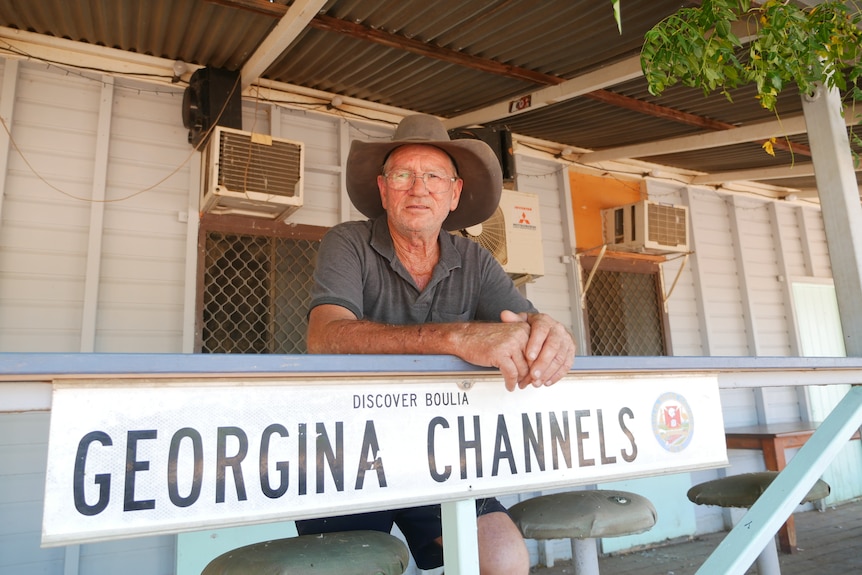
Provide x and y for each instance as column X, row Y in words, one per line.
column 150, row 457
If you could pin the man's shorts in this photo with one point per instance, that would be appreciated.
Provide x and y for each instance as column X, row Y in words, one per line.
column 421, row 526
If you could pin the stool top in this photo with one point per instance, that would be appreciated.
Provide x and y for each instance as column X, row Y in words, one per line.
column 583, row 515
column 343, row 553
column 743, row 490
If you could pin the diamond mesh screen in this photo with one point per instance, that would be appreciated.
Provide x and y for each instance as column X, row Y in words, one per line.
column 624, row 314
column 256, row 293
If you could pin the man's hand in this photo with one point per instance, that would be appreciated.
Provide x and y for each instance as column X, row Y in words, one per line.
column 493, row 344
column 549, row 352
column 526, row 348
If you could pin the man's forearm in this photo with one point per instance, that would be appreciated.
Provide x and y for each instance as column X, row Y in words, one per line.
column 504, row 345
column 361, row 336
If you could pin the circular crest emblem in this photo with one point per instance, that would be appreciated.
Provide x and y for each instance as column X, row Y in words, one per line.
column 672, row 422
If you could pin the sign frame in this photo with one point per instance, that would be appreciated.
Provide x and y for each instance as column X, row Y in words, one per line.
column 116, row 445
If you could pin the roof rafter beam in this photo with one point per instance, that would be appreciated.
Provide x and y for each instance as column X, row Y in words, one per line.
column 291, row 25
column 263, row 7
column 754, row 132
column 758, row 174
column 584, row 85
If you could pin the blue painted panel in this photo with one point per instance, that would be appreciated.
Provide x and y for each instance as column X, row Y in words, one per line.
column 676, row 517
column 195, row 550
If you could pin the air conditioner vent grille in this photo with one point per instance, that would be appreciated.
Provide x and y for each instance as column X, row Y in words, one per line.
column 667, row 225
column 267, row 168
column 254, row 175
column 646, row 227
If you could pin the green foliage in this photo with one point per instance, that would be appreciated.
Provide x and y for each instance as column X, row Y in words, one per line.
column 788, row 45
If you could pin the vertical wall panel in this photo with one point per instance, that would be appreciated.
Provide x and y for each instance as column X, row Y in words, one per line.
column 721, row 287
column 549, row 293
column 763, row 295
column 680, row 290
column 320, row 136
column 815, row 243
column 765, row 291
column 141, row 288
column 8, row 88
column 45, row 220
column 791, row 239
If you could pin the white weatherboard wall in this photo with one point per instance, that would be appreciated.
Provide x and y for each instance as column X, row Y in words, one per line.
column 552, row 293
column 135, row 260
column 735, row 298
column 116, row 275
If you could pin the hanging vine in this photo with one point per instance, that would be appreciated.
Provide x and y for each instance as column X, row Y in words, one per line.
column 786, row 45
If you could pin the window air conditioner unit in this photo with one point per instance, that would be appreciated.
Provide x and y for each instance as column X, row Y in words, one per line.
column 252, row 175
column 646, row 227
column 513, row 234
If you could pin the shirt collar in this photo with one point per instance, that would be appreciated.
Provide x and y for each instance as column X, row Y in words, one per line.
column 381, row 241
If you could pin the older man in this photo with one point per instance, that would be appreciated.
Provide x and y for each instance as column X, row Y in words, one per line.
column 400, row 284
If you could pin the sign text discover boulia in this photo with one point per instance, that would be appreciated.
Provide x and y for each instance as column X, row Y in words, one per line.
column 138, row 458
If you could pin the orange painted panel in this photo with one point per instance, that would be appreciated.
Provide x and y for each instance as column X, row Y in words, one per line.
column 590, row 195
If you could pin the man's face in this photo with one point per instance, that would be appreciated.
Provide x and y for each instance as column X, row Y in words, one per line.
column 418, row 209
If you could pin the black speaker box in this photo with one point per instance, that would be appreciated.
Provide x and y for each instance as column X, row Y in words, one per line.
column 212, row 98
column 500, row 140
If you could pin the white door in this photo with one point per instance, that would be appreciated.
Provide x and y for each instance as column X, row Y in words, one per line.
column 820, row 335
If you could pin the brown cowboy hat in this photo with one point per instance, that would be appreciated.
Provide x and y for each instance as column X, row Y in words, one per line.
column 475, row 161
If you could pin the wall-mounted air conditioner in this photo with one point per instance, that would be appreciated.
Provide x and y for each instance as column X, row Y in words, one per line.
column 513, row 234
column 646, row 227
column 252, row 175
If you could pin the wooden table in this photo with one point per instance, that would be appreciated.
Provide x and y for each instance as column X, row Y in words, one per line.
column 773, row 439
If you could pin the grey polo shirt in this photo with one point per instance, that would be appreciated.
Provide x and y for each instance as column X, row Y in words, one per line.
column 357, row 269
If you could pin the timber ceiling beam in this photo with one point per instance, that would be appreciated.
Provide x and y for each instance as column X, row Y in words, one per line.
column 751, row 133
column 291, row 24
column 754, row 132
column 758, row 174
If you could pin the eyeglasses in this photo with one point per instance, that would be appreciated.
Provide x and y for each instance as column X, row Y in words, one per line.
column 402, row 180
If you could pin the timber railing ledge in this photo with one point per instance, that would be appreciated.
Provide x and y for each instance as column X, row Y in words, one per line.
column 26, row 377
column 741, row 371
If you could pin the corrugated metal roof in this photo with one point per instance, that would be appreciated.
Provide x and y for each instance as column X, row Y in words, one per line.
column 444, row 57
